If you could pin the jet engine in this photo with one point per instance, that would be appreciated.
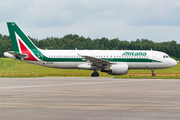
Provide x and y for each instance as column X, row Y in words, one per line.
column 116, row 69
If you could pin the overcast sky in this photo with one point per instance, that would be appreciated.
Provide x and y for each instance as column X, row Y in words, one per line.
column 157, row 20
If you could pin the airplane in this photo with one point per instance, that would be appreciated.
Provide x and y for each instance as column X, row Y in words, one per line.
column 114, row 62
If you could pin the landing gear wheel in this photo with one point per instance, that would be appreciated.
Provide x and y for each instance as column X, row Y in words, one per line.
column 95, row 74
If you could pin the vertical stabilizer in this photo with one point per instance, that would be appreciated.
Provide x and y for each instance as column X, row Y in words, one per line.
column 21, row 43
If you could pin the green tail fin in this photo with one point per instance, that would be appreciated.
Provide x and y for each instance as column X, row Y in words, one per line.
column 21, row 43
column 15, row 34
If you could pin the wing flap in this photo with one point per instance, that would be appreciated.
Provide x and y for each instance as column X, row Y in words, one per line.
column 95, row 61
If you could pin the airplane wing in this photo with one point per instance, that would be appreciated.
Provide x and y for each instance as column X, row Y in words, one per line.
column 18, row 54
column 96, row 61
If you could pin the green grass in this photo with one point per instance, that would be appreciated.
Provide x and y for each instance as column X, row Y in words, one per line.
column 14, row 68
column 175, row 69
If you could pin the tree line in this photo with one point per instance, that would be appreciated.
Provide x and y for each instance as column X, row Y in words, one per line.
column 75, row 41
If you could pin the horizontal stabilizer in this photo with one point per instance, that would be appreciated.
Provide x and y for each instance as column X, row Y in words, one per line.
column 18, row 54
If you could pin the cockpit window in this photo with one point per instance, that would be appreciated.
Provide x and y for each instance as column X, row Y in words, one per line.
column 166, row 56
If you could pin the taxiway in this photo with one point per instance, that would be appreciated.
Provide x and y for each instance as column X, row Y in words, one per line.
column 81, row 98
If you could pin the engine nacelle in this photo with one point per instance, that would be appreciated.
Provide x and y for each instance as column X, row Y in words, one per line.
column 117, row 69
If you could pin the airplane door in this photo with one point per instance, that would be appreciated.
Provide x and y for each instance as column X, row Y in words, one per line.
column 154, row 56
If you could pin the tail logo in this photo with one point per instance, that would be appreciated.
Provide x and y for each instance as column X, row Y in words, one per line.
column 23, row 49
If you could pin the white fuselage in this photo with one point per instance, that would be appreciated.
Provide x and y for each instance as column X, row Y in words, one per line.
column 66, row 59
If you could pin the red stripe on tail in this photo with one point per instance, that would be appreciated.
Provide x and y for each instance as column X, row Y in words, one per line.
column 26, row 51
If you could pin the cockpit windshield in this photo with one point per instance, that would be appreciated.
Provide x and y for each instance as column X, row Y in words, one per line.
column 166, row 56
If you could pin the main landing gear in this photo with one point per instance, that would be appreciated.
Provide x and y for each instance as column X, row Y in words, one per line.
column 95, row 74
column 153, row 74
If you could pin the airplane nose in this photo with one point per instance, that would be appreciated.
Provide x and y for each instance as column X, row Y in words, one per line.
column 173, row 63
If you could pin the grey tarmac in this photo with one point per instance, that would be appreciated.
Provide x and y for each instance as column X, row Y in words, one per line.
column 86, row 98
